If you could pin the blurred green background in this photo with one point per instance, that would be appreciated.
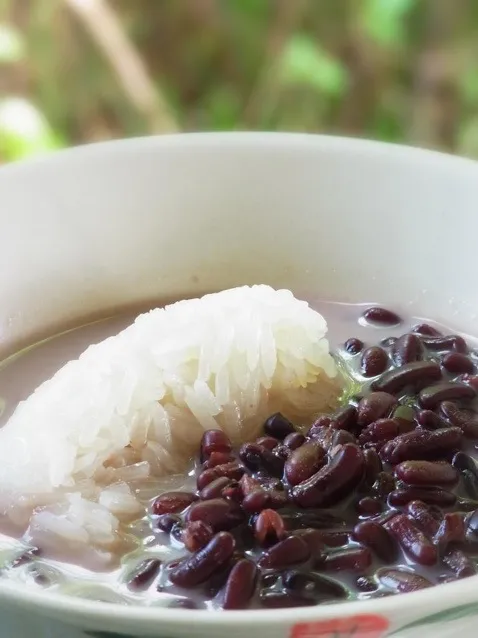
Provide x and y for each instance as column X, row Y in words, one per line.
column 76, row 71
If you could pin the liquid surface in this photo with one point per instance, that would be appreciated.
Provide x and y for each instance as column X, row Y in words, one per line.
column 21, row 374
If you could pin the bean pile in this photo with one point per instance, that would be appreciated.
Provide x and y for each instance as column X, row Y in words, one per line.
column 378, row 498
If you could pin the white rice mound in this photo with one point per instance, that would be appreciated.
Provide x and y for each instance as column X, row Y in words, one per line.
column 135, row 406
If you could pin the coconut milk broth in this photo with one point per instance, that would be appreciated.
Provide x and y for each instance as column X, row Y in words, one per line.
column 20, row 374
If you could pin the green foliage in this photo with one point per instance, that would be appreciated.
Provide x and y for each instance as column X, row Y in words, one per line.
column 373, row 68
column 12, row 45
column 304, row 62
column 24, row 132
column 383, row 20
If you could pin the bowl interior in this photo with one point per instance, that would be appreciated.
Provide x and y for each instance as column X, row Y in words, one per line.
column 119, row 224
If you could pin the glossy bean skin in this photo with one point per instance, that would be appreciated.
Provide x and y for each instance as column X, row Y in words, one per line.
column 401, row 497
column 278, row 426
column 374, row 361
column 424, row 517
column 294, row 440
column 345, row 418
column 413, row 540
column 217, row 513
column 381, row 316
column 291, row 551
column 172, row 502
column 406, row 349
column 422, row 445
column 215, row 441
column 196, row 535
column 376, row 405
column 231, row 470
column 458, row 363
column 380, row 431
column 145, row 574
column 334, row 481
column 426, row 473
column 215, row 488
column 431, row 396
column 402, row 581
column 466, row 420
column 449, row 342
column 304, row 462
column 257, row 458
column 354, row 345
column 201, row 565
column 377, row 539
column 410, row 374
column 240, row 585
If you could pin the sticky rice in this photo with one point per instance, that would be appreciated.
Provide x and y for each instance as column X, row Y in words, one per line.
column 135, row 406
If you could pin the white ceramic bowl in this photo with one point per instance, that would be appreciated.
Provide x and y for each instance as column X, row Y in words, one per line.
column 104, row 226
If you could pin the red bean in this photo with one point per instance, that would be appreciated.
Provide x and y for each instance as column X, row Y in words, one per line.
column 215, row 441
column 313, row 586
column 322, row 434
column 240, row 585
column 433, row 395
column 422, row 445
column 218, row 513
column 425, row 517
column 291, row 551
column 451, row 530
column 353, row 345
column 256, row 501
column 353, row 560
column 215, row 488
column 429, row 420
column 459, row 563
column 401, row 497
column 249, row 484
column 373, row 466
column 374, row 361
column 466, row 420
column 294, row 440
column 257, row 458
column 382, row 316
column 426, row 330
column 196, row 535
column 376, row 405
column 304, row 462
column 334, row 481
column 144, row 574
column 230, row 470
column 268, row 442
column 450, row 342
column 410, row 374
column 369, row 506
column 377, row 539
column 269, row 527
column 402, row 581
column 217, row 458
column 457, row 363
column 345, row 418
column 166, row 522
column 406, row 349
column 426, row 473
column 314, row 539
column 413, row 540
column 172, row 502
column 201, row 565
column 379, row 431
column 278, row 426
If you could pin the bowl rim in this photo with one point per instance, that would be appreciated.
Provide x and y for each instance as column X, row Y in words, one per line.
column 51, row 604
